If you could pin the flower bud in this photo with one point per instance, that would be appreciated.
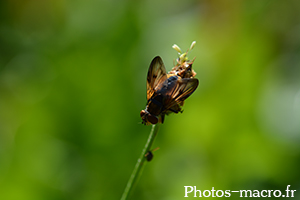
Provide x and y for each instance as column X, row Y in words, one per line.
column 176, row 48
column 192, row 45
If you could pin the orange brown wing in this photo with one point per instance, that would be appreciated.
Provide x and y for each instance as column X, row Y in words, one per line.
column 156, row 76
column 178, row 90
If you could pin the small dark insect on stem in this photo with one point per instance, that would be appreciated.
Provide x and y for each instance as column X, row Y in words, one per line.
column 137, row 171
column 149, row 155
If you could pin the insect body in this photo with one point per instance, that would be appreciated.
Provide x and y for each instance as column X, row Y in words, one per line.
column 149, row 155
column 165, row 92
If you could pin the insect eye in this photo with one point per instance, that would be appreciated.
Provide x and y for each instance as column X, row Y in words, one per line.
column 152, row 119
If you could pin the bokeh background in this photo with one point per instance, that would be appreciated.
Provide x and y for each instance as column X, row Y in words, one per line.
column 73, row 81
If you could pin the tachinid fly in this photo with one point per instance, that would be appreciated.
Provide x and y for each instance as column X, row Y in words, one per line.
column 166, row 92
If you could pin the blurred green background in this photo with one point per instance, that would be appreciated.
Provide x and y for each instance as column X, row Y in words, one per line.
column 73, row 81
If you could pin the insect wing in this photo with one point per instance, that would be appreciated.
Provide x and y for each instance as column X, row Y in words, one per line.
column 179, row 90
column 186, row 87
column 156, row 76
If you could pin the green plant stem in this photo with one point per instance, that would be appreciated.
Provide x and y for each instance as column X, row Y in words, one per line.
column 137, row 171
